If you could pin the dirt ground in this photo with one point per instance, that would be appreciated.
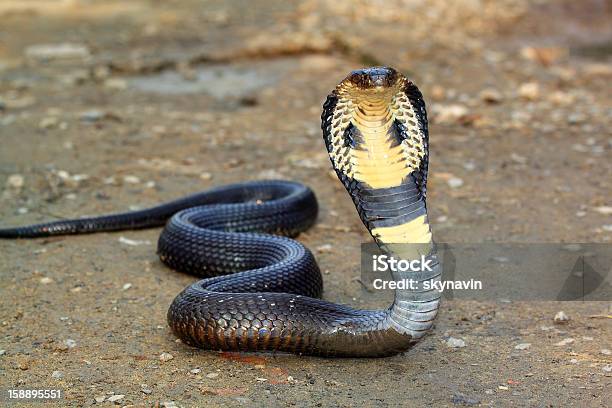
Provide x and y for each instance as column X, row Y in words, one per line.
column 146, row 101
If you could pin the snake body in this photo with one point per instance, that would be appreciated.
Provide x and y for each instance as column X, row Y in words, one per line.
column 261, row 292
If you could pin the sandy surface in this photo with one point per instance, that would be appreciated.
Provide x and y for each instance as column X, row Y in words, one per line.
column 147, row 101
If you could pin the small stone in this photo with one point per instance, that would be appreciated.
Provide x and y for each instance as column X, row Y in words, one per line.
column 2, row 352
column 604, row 209
column 449, row 114
column 165, row 357
column 46, row 280
column 455, row 182
column 490, row 95
column 605, row 352
column 206, row 176
column 561, row 318
column 99, row 399
column 92, row 115
column 212, row 375
column 607, row 368
column 455, row 343
column 146, row 391
column 133, row 242
column 522, row 346
column 607, row 227
column 324, row 248
column 565, row 342
column 15, row 181
column 126, row 286
column 195, row 371
column 573, row 361
column 169, row 404
column 529, row 91
column 575, row 118
column 70, row 343
column 502, row 387
column 442, row 219
column 116, row 397
column 518, row 158
column 57, row 374
column 48, row 123
column 131, row 179
column 261, row 379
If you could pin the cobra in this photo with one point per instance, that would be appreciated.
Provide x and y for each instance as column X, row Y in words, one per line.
column 261, row 292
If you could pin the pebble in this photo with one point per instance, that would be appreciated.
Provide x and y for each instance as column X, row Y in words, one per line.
column 529, row 91
column 206, row 176
column 165, row 357
column 57, row 51
column 48, row 123
column 212, row 375
column 573, row 361
column 15, row 181
column 261, row 379
column 518, row 158
column 131, row 179
column 70, row 343
column 561, row 318
column 133, row 242
column 455, row 182
column 126, row 286
column 469, row 165
column 522, row 346
column 449, row 114
column 57, row 374
column 324, row 248
column 565, row 342
column 2, row 352
column 605, row 352
column 490, row 95
column 169, row 404
column 46, row 280
column 101, row 398
column 455, row 343
column 604, row 209
column 116, row 397
column 195, row 371
column 607, row 368
column 502, row 387
column 607, row 227
column 92, row 115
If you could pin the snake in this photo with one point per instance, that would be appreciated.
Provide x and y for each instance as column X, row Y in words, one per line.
column 260, row 290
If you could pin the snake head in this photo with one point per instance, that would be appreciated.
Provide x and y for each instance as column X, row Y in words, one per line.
column 373, row 78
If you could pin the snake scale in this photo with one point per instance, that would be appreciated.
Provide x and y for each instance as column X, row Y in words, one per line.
column 261, row 292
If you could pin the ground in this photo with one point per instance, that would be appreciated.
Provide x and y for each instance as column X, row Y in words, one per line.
column 148, row 100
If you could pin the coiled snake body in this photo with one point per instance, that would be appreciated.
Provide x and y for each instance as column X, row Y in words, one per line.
column 259, row 291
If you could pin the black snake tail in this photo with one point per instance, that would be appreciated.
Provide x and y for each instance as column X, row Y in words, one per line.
column 260, row 291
